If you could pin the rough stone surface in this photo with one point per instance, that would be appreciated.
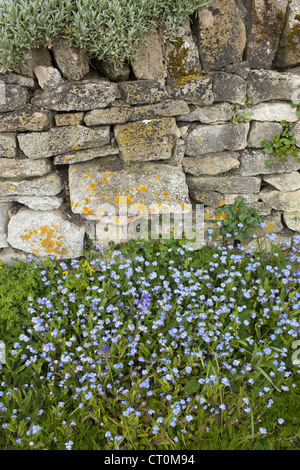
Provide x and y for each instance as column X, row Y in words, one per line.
column 279, row 111
column 142, row 92
column 178, row 153
column 272, row 223
column 296, row 130
column 77, row 96
column 292, row 220
column 123, row 114
column 285, row 181
column 17, row 168
column 22, row 121
column 253, row 163
column 288, row 52
column 38, row 56
column 145, row 140
column 267, row 85
column 260, row 131
column 208, row 114
column 9, row 256
column 208, row 198
column 221, row 34
column 85, row 155
column 104, row 184
column 204, row 139
column 49, row 78
column 40, row 203
column 228, row 87
column 285, row 201
column 115, row 72
column 48, row 185
column 230, row 184
column 4, row 209
column 68, row 119
column 267, row 21
column 149, row 63
column 61, row 140
column 45, row 233
column 197, row 91
column 8, row 145
column 71, row 62
column 15, row 79
column 213, row 164
column 15, row 98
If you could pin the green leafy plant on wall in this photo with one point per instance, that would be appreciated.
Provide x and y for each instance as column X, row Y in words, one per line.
column 241, row 115
column 282, row 145
column 107, row 29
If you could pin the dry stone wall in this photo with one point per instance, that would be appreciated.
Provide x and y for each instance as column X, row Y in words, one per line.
column 80, row 138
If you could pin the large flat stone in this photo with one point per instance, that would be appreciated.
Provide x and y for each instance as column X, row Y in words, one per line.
column 229, row 184
column 8, row 145
column 199, row 91
column 37, row 56
column 253, row 162
column 17, row 168
column 15, row 98
column 216, row 138
column 208, row 114
column 4, row 218
column 221, row 34
column 142, row 92
column 278, row 111
column 104, row 184
column 285, row 201
column 292, row 220
column 212, row 164
column 45, row 233
column 49, row 78
column 146, row 140
column 260, row 131
column 228, row 87
column 85, row 155
column 72, row 63
column 77, row 96
column 22, row 121
column 267, row 85
column 60, row 140
column 69, row 119
column 149, row 63
column 267, row 20
column 124, row 114
column 285, row 181
column 48, row 185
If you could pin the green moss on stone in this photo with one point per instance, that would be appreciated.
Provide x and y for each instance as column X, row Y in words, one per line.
column 177, row 60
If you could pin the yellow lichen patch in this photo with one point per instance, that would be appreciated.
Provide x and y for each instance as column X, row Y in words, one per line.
column 222, row 216
column 158, row 177
column 27, row 236
column 197, row 197
column 110, row 173
column 143, row 189
column 86, row 199
column 36, row 251
column 141, row 208
column 51, row 243
column 124, row 200
column 87, row 210
column 12, row 188
column 166, row 194
column 3, row 186
column 104, row 179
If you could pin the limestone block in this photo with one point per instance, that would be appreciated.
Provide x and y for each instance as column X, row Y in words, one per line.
column 292, row 220
column 260, row 131
column 228, row 87
column 21, row 80
column 142, row 92
column 9, row 256
column 288, row 52
column 4, row 208
column 22, row 121
column 115, row 72
column 272, row 223
column 149, row 63
column 221, row 34
column 296, row 130
column 208, row 114
column 228, row 184
column 85, row 155
column 278, row 111
column 81, row 96
column 45, row 233
column 15, row 98
column 8, row 145
column 253, row 163
column 208, row 198
column 71, row 62
column 68, row 119
column 285, row 181
column 60, row 140
column 48, row 185
column 48, row 78
column 193, row 91
column 38, row 56
column 216, row 138
column 286, row 201
column 267, row 85
column 267, row 20
column 146, row 140
column 212, row 164
column 40, row 203
column 124, row 114
column 23, row 168
column 178, row 153
column 107, row 184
